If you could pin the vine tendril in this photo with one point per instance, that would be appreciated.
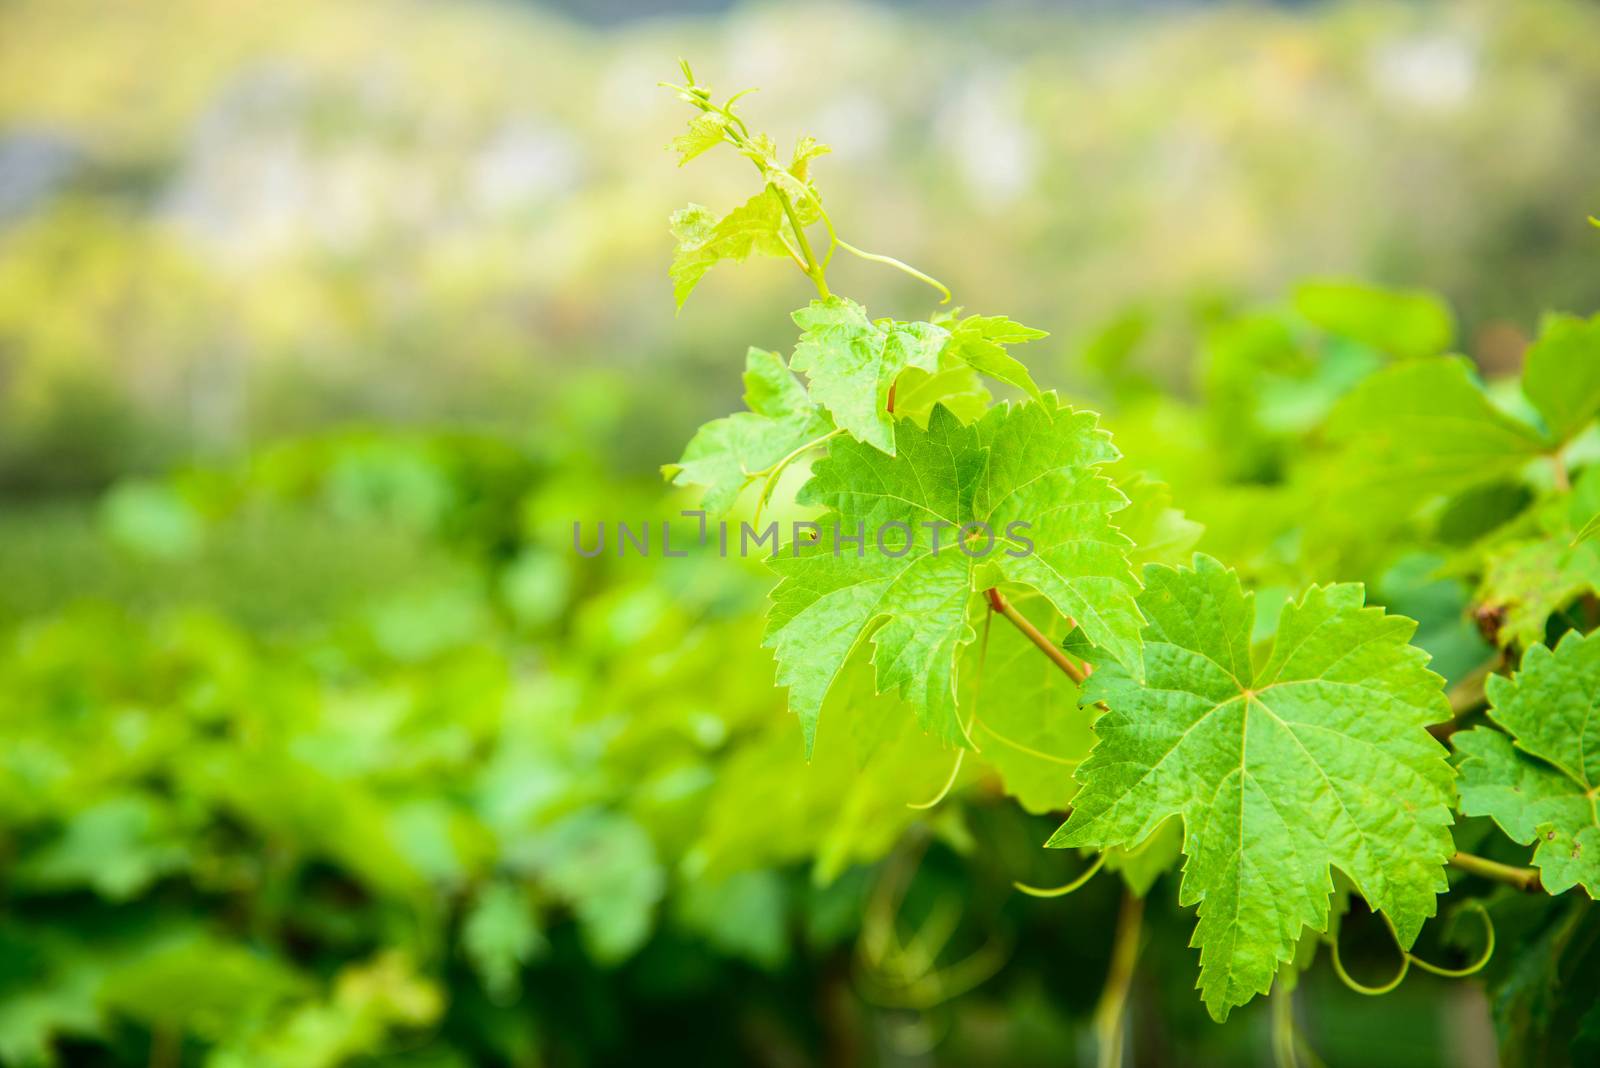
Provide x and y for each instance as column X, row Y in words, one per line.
column 1408, row 959
column 1066, row 888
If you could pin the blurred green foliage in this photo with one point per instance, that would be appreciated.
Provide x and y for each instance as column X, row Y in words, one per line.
column 225, row 222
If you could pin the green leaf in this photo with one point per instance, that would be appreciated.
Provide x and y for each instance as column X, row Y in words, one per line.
column 957, row 387
column 1026, row 721
column 852, row 361
column 199, row 985
column 805, row 150
column 742, row 916
column 1141, row 865
column 981, row 340
column 726, row 453
column 1036, row 464
column 846, row 802
column 751, row 229
column 1425, row 429
column 1561, row 374
column 1545, row 981
column 1543, row 788
column 604, row 865
column 705, row 133
column 1526, row 582
column 117, row 847
column 1403, row 323
column 1319, row 758
column 1529, row 579
column 1161, row 533
column 499, row 935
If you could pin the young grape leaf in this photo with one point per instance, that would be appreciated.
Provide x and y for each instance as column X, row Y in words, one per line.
column 1319, row 758
column 1561, row 374
column 1529, row 579
column 1424, row 429
column 805, row 150
column 1527, row 582
column 913, row 585
column 725, row 453
column 1543, row 788
column 981, row 340
column 852, row 361
column 705, row 133
column 753, row 228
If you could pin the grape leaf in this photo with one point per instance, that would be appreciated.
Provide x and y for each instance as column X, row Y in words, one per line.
column 981, row 340
column 753, row 228
column 725, row 453
column 1543, row 788
column 1425, row 428
column 955, row 386
column 604, row 865
column 742, row 916
column 1142, row 864
column 1035, row 463
column 1528, row 579
column 705, row 133
column 499, row 935
column 1163, row 534
column 1403, row 323
column 1561, row 374
column 847, row 805
column 1317, row 759
column 851, row 361
column 805, row 150
column 1527, row 582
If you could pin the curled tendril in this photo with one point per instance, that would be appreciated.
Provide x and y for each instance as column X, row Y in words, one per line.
column 1067, row 888
column 1478, row 965
column 1362, row 988
column 955, row 772
column 1408, row 959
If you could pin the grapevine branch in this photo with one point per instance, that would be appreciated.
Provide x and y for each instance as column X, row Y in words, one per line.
column 1113, row 1005
column 1524, row 879
column 998, row 602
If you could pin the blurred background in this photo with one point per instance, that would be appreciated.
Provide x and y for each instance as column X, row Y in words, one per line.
column 318, row 747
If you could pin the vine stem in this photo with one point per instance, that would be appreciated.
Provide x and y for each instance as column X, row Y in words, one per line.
column 1558, row 464
column 998, row 602
column 1113, row 1005
column 813, row 268
column 1524, row 879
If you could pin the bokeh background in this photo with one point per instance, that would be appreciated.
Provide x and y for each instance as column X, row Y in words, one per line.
column 320, row 321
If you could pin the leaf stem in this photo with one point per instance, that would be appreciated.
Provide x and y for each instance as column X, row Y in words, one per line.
column 813, row 268
column 772, row 472
column 898, row 265
column 1113, row 1004
column 1558, row 464
column 1524, row 879
column 998, row 602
